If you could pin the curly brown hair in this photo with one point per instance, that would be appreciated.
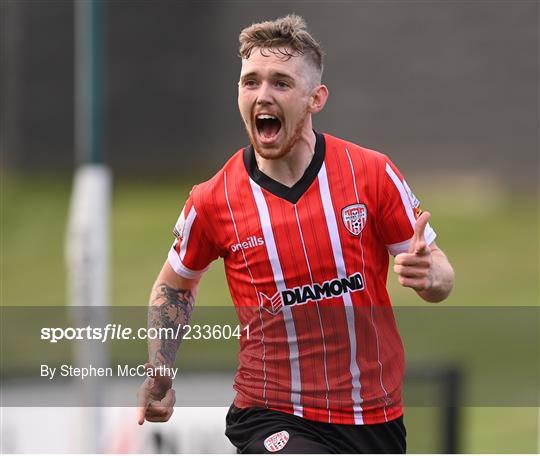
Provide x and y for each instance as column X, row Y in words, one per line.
column 286, row 36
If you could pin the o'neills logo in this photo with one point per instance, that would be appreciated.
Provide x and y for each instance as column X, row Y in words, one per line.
column 312, row 292
column 252, row 241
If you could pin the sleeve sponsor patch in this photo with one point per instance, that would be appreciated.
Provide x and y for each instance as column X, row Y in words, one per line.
column 412, row 198
column 415, row 203
column 178, row 230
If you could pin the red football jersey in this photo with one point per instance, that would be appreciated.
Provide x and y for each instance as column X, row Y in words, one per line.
column 306, row 268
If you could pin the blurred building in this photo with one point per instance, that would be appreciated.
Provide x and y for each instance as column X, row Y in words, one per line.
column 450, row 86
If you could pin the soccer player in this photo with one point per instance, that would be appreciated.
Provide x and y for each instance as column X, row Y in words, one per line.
column 305, row 223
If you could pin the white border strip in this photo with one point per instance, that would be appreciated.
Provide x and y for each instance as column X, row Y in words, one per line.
column 398, row 247
column 186, row 231
column 176, row 260
column 182, row 270
column 319, row 314
column 264, row 216
column 341, row 271
column 377, row 341
column 403, row 193
column 429, row 234
column 254, row 286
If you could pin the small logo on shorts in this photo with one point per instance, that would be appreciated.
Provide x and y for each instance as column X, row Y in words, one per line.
column 276, row 441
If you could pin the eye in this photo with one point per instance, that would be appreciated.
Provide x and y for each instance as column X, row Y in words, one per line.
column 282, row 84
column 249, row 83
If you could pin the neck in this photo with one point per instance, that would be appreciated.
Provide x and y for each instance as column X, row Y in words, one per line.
column 289, row 169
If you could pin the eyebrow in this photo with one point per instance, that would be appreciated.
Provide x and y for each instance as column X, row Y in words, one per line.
column 276, row 75
column 279, row 75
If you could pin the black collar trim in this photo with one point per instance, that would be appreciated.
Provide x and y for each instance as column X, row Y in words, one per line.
column 294, row 193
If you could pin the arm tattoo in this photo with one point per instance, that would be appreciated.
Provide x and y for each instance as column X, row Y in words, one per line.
column 169, row 308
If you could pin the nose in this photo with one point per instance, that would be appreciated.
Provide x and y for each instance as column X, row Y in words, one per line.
column 264, row 94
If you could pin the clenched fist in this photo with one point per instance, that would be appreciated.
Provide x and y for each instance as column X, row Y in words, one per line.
column 155, row 398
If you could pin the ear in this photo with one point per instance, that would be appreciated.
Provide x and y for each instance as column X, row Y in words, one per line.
column 318, row 98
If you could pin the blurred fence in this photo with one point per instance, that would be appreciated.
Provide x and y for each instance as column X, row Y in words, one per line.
column 441, row 85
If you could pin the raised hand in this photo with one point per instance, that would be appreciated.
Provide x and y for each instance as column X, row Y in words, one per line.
column 414, row 268
column 155, row 398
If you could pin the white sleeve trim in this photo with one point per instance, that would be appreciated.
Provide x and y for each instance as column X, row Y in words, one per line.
column 180, row 269
column 186, row 231
column 402, row 247
column 403, row 193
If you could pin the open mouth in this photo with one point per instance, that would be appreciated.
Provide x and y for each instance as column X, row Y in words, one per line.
column 268, row 126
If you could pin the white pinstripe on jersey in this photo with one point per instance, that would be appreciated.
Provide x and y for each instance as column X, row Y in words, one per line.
column 270, row 243
column 341, row 272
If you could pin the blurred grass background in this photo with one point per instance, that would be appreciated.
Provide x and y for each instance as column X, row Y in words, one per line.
column 489, row 233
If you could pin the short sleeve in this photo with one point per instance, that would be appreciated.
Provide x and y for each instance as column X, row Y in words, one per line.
column 192, row 251
column 399, row 208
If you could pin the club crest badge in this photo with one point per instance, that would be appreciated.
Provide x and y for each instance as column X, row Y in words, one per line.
column 354, row 218
column 276, row 441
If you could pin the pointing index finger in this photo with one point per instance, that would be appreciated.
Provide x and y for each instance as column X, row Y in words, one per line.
column 418, row 241
column 143, row 398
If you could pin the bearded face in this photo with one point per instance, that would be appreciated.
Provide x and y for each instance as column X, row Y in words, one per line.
column 273, row 99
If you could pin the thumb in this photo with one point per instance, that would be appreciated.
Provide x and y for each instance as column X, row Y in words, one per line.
column 143, row 398
column 418, row 241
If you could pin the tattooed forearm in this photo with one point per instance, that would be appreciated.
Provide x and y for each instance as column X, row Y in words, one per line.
column 169, row 308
